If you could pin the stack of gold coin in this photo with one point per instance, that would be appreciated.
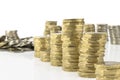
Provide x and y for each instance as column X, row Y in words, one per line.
column 56, row 49
column 71, row 34
column 89, row 28
column 48, row 26
column 47, row 40
column 55, row 29
column 108, row 71
column 114, row 32
column 39, row 45
column 91, row 51
column 45, row 56
column 102, row 27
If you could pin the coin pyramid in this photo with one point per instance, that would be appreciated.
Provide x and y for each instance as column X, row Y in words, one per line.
column 108, row 71
column 91, row 51
column 56, row 49
column 72, row 31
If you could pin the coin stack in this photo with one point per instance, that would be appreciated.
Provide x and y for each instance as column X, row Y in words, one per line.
column 102, row 27
column 56, row 49
column 70, row 40
column 114, row 32
column 48, row 26
column 108, row 71
column 55, row 29
column 45, row 55
column 89, row 28
column 39, row 45
column 91, row 52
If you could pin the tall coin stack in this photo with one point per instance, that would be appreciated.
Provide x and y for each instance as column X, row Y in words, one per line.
column 56, row 49
column 102, row 27
column 70, row 40
column 45, row 55
column 89, row 28
column 108, row 71
column 91, row 52
column 48, row 26
column 39, row 45
column 114, row 32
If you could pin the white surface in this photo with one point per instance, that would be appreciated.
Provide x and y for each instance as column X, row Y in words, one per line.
column 24, row 66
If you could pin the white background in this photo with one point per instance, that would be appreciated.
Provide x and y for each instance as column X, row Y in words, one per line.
column 29, row 16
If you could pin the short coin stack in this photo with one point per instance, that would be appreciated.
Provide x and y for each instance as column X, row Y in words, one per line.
column 39, row 45
column 48, row 26
column 108, row 71
column 102, row 27
column 91, row 52
column 56, row 49
column 89, row 28
column 45, row 55
column 70, row 40
column 114, row 32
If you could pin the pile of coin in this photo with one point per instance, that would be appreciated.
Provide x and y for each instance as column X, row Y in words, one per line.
column 12, row 35
column 91, row 51
column 39, row 45
column 48, row 26
column 11, row 42
column 108, row 71
column 102, row 27
column 72, row 30
column 114, row 32
column 89, row 28
column 45, row 56
column 56, row 49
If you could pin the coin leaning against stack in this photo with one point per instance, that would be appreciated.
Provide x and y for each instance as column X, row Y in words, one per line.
column 48, row 26
column 91, row 51
column 89, row 28
column 71, row 33
column 56, row 49
column 108, row 71
column 39, row 45
column 114, row 32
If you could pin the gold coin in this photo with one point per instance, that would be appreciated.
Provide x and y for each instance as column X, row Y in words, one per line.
column 87, row 75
